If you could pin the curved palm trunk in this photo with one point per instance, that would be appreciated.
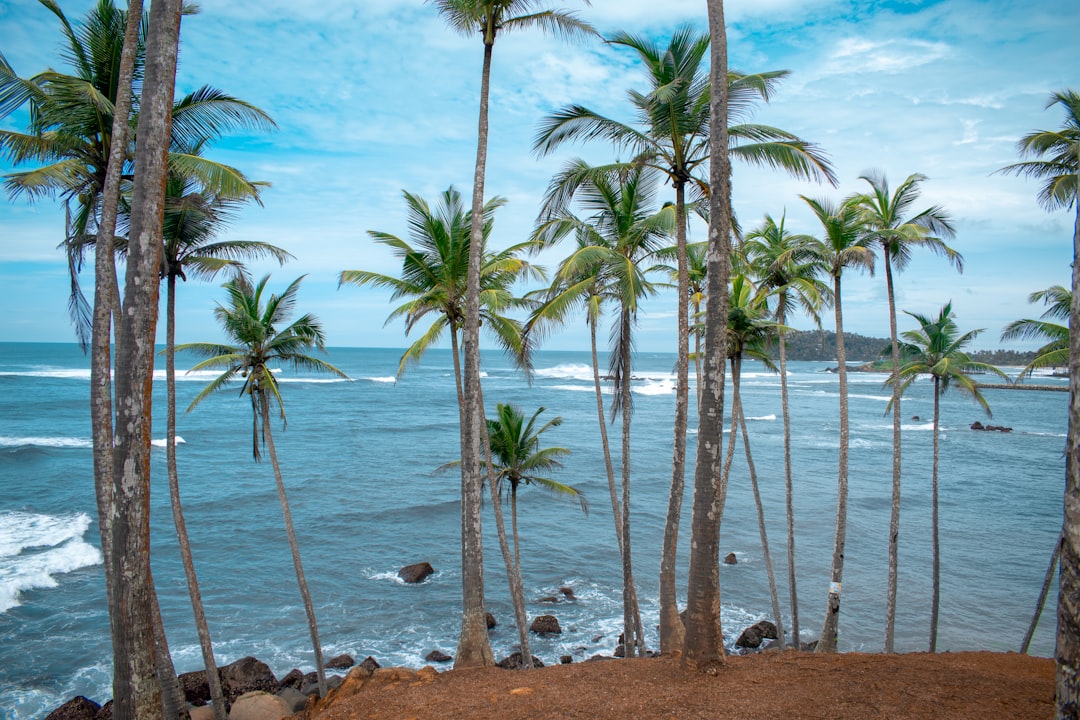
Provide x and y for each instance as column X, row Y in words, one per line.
column 474, row 648
column 455, row 348
column 671, row 625
column 704, row 647
column 201, row 626
column 936, row 598
column 789, row 494
column 631, row 629
column 831, row 627
column 894, row 518
column 294, row 547
column 737, row 410
column 1041, row 602
column 1067, row 650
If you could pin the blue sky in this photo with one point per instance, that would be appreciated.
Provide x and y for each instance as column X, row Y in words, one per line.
column 376, row 97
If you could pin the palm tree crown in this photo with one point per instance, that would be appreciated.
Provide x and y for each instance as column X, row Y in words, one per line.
column 1057, row 154
column 1055, row 335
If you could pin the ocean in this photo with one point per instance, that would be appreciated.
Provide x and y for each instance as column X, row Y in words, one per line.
column 359, row 460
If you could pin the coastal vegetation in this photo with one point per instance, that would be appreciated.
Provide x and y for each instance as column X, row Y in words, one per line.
column 107, row 153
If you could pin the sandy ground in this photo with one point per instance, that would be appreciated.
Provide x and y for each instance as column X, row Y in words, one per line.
column 850, row 686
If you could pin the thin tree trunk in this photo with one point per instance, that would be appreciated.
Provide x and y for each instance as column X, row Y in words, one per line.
column 831, row 627
column 671, row 625
column 455, row 348
column 894, row 517
column 474, row 648
column 294, row 547
column 737, row 410
column 201, row 626
column 704, row 647
column 789, row 493
column 631, row 630
column 1067, row 652
column 936, row 597
column 1041, row 602
column 136, row 689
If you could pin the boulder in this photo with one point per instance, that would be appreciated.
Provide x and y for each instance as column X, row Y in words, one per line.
column 292, row 697
column 490, row 620
column 370, row 664
column 416, row 572
column 513, row 661
column 341, row 662
column 568, row 592
column 566, row 659
column 437, row 656
column 293, row 679
column 259, row 705
column 730, row 559
column 752, row 636
column 990, row 428
column 545, row 624
column 105, row 713
column 311, row 684
column 548, row 599
column 201, row 712
column 247, row 675
column 77, row 708
column 195, row 687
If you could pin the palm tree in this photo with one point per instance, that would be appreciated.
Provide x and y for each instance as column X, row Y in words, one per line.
column 621, row 233
column 786, row 269
column 673, row 137
column 1055, row 351
column 252, row 323
column 897, row 235
column 842, row 245
column 937, row 349
column 518, row 457
column 489, row 17
column 1054, row 158
column 696, row 268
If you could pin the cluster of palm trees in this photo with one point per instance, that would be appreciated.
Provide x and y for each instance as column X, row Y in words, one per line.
column 121, row 163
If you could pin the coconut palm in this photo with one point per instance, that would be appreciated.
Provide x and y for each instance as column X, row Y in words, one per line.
column 787, row 270
column 1055, row 351
column 1053, row 157
column 889, row 226
column 253, row 323
column 842, row 245
column 696, row 268
column 620, row 234
column 673, row 136
column 490, row 18
column 936, row 349
column 70, row 131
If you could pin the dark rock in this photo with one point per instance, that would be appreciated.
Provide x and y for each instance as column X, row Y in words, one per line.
column 597, row 639
column 341, row 662
column 416, row 573
column 105, row 713
column 598, row 657
column 990, row 428
column 568, row 592
column 437, row 656
column 513, row 661
column 370, row 664
column 548, row 599
column 730, row 559
column 77, row 708
column 566, row 659
column 808, row 646
column 752, row 636
column 293, row 679
column 914, row 417
column 246, row 675
column 490, row 620
column 545, row 624
column 195, row 687
column 295, row 699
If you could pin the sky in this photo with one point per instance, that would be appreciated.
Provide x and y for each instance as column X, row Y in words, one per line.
column 376, row 97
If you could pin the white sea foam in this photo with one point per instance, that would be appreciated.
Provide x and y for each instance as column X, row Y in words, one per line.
column 51, row 372
column 582, row 388
column 49, row 442
column 390, row 379
column 655, row 387
column 34, row 548
column 770, row 416
column 566, row 371
column 164, row 442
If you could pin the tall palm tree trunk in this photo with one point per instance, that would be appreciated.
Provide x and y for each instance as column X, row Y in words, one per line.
column 294, row 547
column 474, row 648
column 671, row 625
column 936, row 597
column 1041, row 602
column 894, row 517
column 737, row 410
column 831, row 627
column 631, row 631
column 789, row 494
column 201, row 626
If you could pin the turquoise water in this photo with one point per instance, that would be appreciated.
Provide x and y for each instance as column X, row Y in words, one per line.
column 358, row 458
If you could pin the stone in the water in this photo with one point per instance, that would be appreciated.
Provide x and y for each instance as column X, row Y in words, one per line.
column 545, row 624
column 490, row 620
column 437, row 656
column 341, row 662
column 752, row 636
column 416, row 572
column 194, row 687
column 370, row 664
column 247, row 675
column 77, row 708
column 293, row 679
column 259, row 705
column 566, row 659
column 513, row 661
column 568, row 592
column 730, row 559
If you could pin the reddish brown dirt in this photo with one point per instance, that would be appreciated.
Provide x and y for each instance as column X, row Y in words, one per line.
column 848, row 686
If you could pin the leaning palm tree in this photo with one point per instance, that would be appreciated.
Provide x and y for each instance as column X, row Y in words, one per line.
column 897, row 234
column 936, row 349
column 842, row 245
column 620, row 234
column 1053, row 157
column 1055, row 336
column 672, row 135
column 787, row 270
column 253, row 323
column 489, row 17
